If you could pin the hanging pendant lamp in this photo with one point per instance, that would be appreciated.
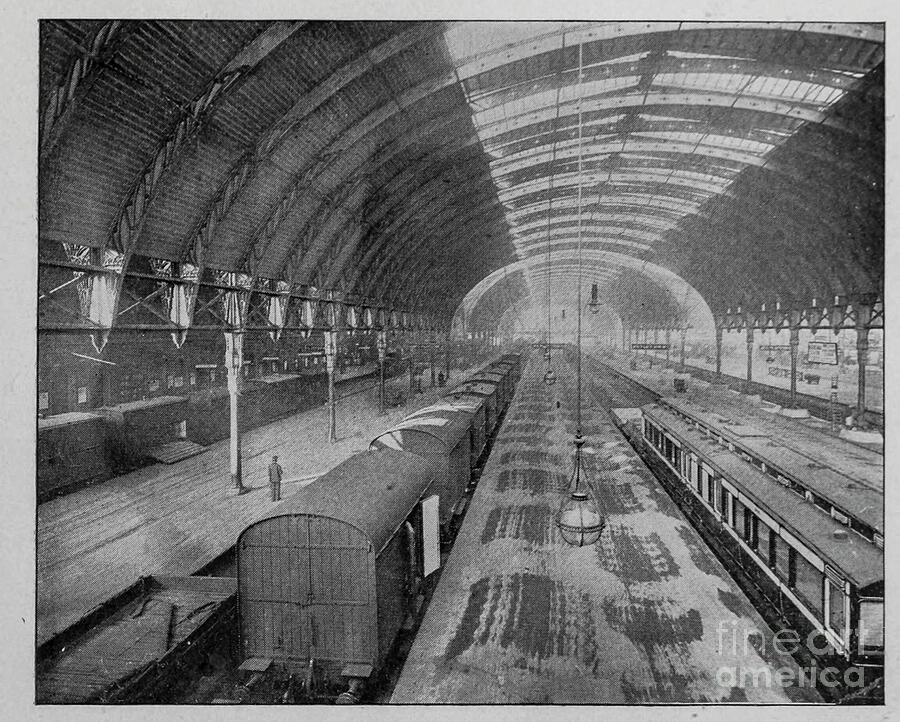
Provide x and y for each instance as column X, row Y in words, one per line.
column 550, row 374
column 580, row 522
column 579, row 519
column 594, row 303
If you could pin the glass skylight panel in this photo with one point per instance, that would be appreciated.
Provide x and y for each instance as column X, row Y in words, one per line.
column 718, row 141
column 702, row 56
column 660, row 200
column 540, row 225
column 616, row 61
column 721, row 82
column 465, row 40
column 568, row 95
column 665, row 174
column 588, row 241
column 588, row 225
column 625, row 203
column 851, row 73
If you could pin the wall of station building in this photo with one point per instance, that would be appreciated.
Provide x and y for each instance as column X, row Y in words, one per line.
column 100, row 414
column 141, row 366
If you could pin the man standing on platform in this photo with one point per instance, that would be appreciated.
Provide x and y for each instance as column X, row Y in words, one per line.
column 275, row 479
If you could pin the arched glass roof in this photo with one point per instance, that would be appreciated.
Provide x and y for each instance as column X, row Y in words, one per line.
column 407, row 161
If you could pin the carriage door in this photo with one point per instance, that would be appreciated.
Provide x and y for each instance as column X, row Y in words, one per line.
column 338, row 612
column 431, row 543
column 304, row 591
column 837, row 605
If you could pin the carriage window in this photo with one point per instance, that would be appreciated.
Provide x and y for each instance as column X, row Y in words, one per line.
column 871, row 627
column 737, row 516
column 82, row 394
column 766, row 547
column 43, row 401
column 835, row 608
column 710, row 490
column 751, row 530
column 808, row 583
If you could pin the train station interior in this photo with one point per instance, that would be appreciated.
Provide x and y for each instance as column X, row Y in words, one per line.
column 449, row 362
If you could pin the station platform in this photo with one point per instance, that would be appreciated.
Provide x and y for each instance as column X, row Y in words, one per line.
column 811, row 434
column 646, row 615
column 775, row 375
column 174, row 519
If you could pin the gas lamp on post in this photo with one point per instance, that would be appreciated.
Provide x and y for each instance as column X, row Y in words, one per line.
column 579, row 520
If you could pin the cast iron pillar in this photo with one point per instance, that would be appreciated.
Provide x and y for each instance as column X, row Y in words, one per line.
column 750, row 334
column 412, row 374
column 234, row 361
column 683, row 340
column 381, row 343
column 795, row 352
column 330, row 357
column 432, row 344
column 719, row 352
column 863, row 314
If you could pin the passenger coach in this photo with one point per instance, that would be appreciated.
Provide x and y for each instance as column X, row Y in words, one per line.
column 801, row 557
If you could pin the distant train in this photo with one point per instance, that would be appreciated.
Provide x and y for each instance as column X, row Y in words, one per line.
column 328, row 578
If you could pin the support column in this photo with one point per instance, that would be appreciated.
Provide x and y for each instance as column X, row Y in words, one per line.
column 683, row 339
column 330, row 358
column 862, row 359
column 668, row 344
column 433, row 344
column 234, row 359
column 719, row 352
column 795, row 349
column 381, row 343
column 624, row 342
column 412, row 373
column 749, row 382
column 447, row 356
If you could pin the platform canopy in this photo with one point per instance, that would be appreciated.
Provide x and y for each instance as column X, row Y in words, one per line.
column 407, row 161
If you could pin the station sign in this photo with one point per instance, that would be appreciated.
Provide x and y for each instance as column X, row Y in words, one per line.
column 822, row 352
column 649, row 346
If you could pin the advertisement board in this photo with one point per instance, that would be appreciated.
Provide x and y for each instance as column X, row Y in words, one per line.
column 822, row 352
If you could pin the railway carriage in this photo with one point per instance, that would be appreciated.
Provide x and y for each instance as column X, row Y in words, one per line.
column 441, row 435
column 500, row 376
column 813, row 562
column 71, row 450
column 473, row 405
column 327, row 579
column 482, row 389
